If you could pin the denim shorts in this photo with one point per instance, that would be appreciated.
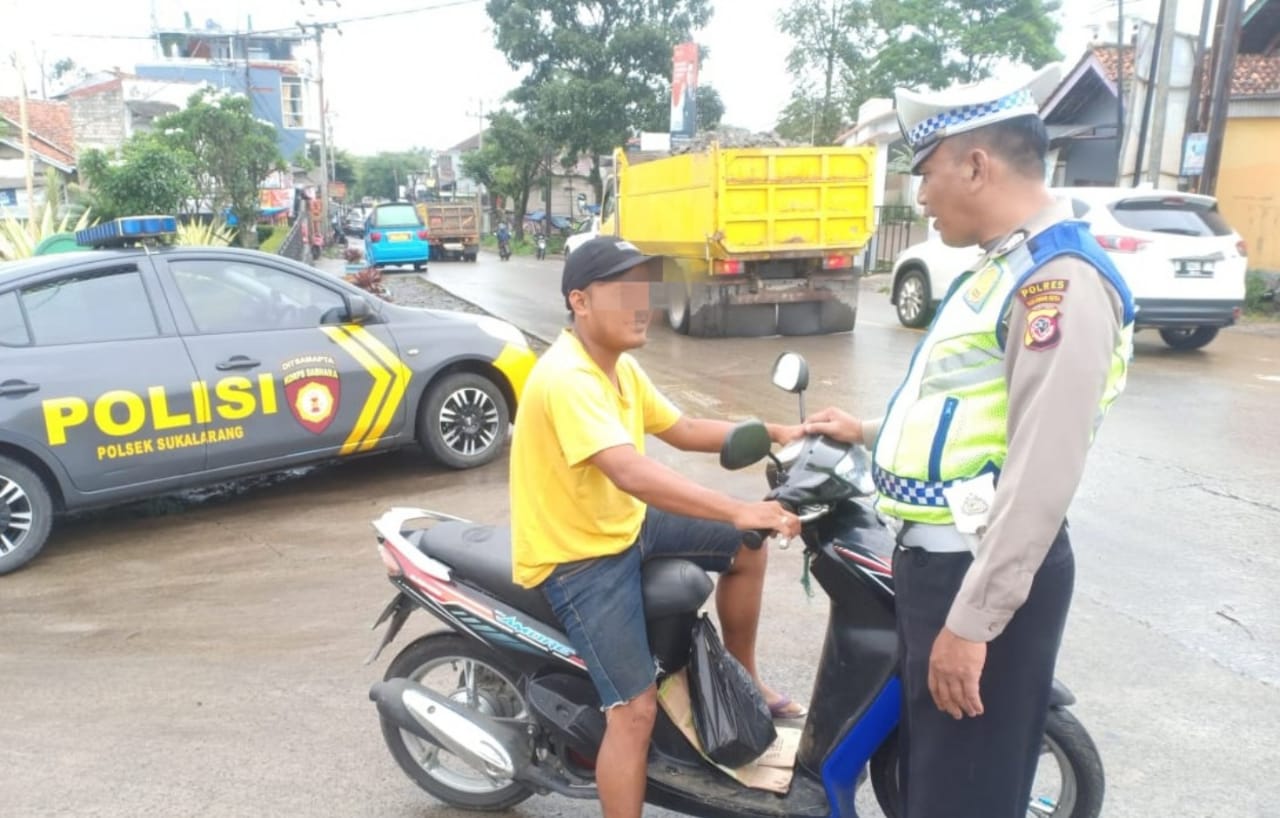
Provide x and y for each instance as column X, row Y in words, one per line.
column 600, row 606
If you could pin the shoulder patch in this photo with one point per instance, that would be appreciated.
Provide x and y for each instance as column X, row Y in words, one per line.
column 1046, row 291
column 1043, row 327
column 980, row 286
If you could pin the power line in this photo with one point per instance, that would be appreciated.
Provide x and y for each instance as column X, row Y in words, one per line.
column 256, row 32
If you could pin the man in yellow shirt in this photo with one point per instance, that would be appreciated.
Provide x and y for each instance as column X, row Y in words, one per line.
column 588, row 507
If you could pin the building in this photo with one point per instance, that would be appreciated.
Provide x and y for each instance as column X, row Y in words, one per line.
column 1249, row 174
column 108, row 108
column 53, row 149
column 271, row 69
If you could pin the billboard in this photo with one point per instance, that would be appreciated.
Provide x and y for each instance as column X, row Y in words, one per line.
column 684, row 90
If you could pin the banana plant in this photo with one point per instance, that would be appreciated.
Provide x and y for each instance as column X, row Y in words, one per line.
column 20, row 237
column 204, row 234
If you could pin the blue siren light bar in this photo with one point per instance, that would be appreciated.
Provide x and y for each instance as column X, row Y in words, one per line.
column 129, row 230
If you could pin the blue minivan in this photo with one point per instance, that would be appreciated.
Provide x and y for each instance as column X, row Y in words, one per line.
column 394, row 234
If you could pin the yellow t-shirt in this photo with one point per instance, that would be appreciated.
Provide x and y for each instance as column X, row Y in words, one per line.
column 564, row 509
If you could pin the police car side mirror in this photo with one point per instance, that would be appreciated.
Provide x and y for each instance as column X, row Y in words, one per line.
column 358, row 310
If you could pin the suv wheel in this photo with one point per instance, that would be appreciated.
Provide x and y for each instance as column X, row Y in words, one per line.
column 912, row 298
column 26, row 514
column 1189, row 337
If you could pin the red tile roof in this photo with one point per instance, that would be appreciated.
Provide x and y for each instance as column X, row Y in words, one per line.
column 50, row 124
column 1255, row 74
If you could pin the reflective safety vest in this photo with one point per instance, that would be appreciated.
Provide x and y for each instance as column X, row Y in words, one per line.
column 948, row 420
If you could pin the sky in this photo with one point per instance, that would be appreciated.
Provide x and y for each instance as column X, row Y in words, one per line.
column 422, row 79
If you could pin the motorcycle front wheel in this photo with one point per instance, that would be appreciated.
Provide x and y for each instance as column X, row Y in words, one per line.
column 1069, row 780
column 467, row 673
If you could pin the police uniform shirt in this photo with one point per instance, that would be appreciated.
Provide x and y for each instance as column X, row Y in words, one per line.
column 1058, row 353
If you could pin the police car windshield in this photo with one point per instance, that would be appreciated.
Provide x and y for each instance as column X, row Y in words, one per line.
column 396, row 215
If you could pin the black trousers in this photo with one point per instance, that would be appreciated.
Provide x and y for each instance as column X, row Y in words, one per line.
column 981, row 767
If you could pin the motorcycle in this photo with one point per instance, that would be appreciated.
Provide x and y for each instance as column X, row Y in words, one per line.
column 499, row 707
column 541, row 245
column 504, row 249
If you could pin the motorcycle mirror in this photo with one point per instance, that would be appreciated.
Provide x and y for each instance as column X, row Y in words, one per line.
column 791, row 372
column 745, row 444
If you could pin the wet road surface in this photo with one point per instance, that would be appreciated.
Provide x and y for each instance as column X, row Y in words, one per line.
column 208, row 661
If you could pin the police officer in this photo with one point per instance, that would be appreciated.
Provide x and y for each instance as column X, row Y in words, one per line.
column 983, row 446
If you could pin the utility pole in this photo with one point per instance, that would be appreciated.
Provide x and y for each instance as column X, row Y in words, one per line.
column 318, row 30
column 1120, row 87
column 24, row 122
column 479, row 115
column 1148, row 98
column 1228, row 40
column 1193, row 121
column 1160, row 87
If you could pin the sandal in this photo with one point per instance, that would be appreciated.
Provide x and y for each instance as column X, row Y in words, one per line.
column 784, row 709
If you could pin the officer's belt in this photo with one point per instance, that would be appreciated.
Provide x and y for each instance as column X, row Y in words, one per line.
column 939, row 539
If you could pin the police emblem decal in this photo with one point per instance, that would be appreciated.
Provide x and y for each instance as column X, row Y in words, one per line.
column 1043, row 330
column 312, row 389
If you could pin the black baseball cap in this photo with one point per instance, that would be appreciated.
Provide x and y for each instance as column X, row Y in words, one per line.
column 598, row 259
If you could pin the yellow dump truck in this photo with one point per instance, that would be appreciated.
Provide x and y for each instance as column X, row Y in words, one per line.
column 757, row 241
column 453, row 227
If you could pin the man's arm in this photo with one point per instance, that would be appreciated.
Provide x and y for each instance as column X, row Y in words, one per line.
column 654, row 484
column 1059, row 348
column 706, row 435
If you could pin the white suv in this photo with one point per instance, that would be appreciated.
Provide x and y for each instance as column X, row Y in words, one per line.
column 1183, row 262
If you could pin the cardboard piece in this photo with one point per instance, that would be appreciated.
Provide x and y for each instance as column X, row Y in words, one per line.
column 772, row 771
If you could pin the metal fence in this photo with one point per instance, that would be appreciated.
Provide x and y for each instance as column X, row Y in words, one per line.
column 893, row 235
column 293, row 246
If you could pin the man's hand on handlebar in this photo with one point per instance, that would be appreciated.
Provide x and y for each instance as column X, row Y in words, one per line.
column 782, row 434
column 835, row 424
column 767, row 516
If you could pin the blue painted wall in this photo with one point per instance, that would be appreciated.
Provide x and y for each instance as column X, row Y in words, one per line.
column 264, row 93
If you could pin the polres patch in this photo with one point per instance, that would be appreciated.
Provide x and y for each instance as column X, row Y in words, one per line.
column 1043, row 330
column 1038, row 293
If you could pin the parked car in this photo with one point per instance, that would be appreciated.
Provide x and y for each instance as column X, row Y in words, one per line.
column 1183, row 262
column 394, row 234
column 589, row 231
column 353, row 225
column 134, row 371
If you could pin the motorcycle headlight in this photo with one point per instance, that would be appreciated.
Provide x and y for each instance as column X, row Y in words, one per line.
column 855, row 469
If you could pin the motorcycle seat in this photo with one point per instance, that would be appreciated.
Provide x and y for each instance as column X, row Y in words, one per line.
column 480, row 555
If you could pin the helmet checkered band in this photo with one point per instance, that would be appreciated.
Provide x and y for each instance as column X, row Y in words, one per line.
column 910, row 491
column 936, row 126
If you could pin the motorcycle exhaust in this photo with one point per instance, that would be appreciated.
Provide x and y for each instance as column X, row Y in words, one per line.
column 489, row 746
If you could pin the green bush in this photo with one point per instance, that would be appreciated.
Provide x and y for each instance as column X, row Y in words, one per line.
column 275, row 238
column 264, row 232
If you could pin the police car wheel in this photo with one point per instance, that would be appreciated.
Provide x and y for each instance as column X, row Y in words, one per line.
column 26, row 514
column 463, row 421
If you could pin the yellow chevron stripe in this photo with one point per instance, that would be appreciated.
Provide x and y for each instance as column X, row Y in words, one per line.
column 381, row 382
column 400, row 375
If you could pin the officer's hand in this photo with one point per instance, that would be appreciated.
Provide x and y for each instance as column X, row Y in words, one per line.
column 784, row 434
column 835, row 424
column 770, row 516
column 955, row 666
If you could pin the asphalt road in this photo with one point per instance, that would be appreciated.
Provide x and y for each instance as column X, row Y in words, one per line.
column 208, row 661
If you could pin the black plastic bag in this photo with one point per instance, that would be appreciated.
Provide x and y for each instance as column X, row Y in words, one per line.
column 729, row 713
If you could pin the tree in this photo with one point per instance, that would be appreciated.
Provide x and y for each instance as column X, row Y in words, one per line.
column 513, row 160
column 710, row 108
column 382, row 175
column 231, row 153
column 847, row 51
column 148, row 177
column 822, row 60
column 342, row 162
column 597, row 71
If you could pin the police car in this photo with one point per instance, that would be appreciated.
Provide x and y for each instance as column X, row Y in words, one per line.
column 134, row 369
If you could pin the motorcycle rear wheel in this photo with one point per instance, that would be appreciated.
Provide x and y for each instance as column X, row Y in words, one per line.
column 1080, row 781
column 476, row 678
